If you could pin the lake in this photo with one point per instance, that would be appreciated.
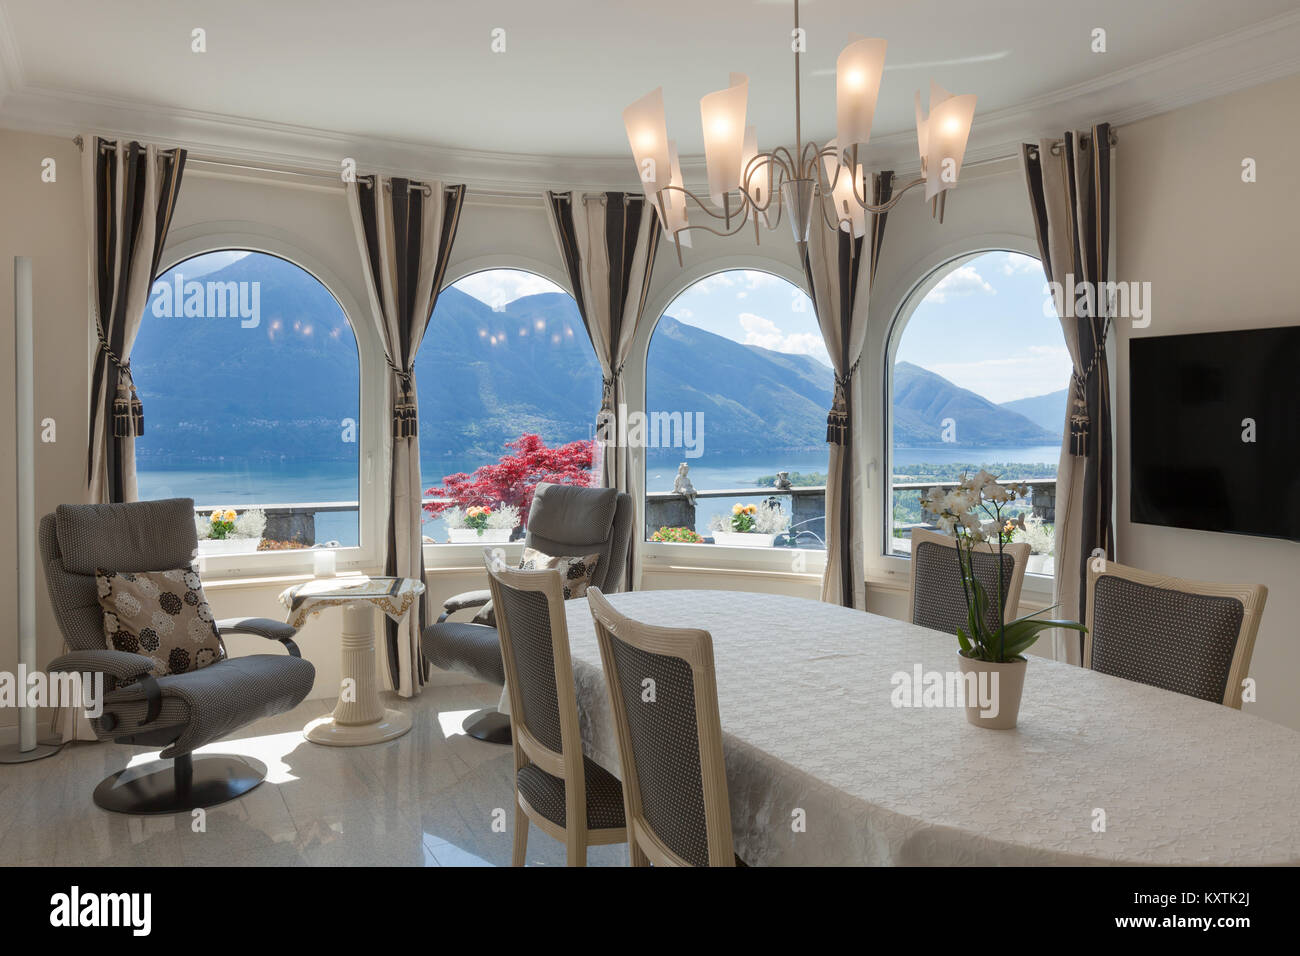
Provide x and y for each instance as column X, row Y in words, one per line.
column 236, row 483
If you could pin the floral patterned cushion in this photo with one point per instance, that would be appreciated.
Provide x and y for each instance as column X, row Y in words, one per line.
column 161, row 614
column 576, row 572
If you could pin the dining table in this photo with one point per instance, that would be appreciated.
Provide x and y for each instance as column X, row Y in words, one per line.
column 830, row 762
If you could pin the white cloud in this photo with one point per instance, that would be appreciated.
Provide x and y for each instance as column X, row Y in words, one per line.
column 767, row 335
column 1035, row 370
column 1016, row 263
column 719, row 280
column 499, row 287
column 964, row 280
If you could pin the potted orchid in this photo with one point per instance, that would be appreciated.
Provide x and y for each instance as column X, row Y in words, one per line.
column 751, row 526
column 481, row 524
column 226, row 531
column 975, row 514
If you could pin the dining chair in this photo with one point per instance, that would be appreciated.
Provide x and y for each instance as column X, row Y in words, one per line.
column 664, row 698
column 1192, row 637
column 937, row 599
column 567, row 794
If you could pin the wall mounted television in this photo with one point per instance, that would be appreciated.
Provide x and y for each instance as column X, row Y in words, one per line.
column 1195, row 403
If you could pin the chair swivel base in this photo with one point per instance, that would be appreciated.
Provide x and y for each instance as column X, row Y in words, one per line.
column 488, row 724
column 186, row 783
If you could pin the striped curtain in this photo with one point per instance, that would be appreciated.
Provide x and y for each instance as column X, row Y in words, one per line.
column 841, row 269
column 405, row 230
column 131, row 193
column 1069, row 184
column 608, row 243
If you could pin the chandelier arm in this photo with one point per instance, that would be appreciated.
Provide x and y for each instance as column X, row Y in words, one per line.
column 717, row 232
column 888, row 204
column 745, row 202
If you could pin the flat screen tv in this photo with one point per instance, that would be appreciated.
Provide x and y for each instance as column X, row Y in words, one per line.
column 1214, row 420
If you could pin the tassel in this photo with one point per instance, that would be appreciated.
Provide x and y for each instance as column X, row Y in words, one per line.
column 405, row 417
column 837, row 421
column 128, row 414
column 1079, row 425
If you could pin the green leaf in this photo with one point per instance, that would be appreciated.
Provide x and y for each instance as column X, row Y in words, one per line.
column 1022, row 633
column 963, row 640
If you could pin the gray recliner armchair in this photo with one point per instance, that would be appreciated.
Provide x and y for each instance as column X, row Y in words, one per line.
column 180, row 712
column 563, row 521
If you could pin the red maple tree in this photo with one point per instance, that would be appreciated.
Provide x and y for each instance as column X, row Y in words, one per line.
column 513, row 479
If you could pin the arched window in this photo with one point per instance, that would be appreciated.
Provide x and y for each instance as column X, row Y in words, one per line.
column 508, row 390
column 979, row 374
column 250, row 378
column 738, row 383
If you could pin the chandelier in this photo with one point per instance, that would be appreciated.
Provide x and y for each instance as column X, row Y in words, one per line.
column 796, row 182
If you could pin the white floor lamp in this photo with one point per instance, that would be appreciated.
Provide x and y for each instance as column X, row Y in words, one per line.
column 28, row 747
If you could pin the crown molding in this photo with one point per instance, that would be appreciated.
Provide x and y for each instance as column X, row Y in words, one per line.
column 1247, row 57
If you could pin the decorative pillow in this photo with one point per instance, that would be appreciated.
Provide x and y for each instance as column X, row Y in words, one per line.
column 161, row 614
column 576, row 572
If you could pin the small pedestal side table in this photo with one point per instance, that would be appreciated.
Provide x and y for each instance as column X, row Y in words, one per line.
column 360, row 716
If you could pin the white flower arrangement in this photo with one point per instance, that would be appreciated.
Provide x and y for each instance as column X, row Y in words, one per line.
column 248, row 524
column 501, row 518
column 1038, row 535
column 767, row 517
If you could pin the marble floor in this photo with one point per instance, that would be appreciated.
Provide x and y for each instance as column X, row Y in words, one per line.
column 425, row 799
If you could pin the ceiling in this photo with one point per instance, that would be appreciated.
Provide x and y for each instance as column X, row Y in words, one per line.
column 422, row 73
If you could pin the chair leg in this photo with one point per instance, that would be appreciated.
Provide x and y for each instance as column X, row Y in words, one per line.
column 520, row 854
column 575, row 846
column 635, row 854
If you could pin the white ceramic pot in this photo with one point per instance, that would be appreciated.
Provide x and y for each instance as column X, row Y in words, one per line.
column 998, row 688
column 744, row 539
column 228, row 545
column 486, row 536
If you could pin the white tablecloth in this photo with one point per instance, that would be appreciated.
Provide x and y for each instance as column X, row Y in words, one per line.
column 805, row 695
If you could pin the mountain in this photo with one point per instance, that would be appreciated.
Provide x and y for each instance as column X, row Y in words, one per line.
column 1046, row 411
column 285, row 387
column 923, row 400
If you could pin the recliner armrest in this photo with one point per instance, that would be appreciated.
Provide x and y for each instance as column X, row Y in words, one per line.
column 262, row 627
column 463, row 602
column 120, row 665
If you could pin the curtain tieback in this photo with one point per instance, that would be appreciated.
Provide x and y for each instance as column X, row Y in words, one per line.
column 837, row 421
column 406, row 417
column 128, row 410
column 607, row 388
column 1080, row 421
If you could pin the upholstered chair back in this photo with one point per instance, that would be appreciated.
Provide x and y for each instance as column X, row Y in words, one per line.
column 135, row 536
column 1191, row 637
column 938, row 600
column 664, row 698
column 572, row 521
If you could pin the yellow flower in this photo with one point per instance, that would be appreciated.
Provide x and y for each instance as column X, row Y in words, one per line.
column 229, row 515
column 751, row 509
column 216, row 516
column 737, row 509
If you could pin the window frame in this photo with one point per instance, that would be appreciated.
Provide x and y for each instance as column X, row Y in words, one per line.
column 667, row 556
column 373, row 441
column 883, row 564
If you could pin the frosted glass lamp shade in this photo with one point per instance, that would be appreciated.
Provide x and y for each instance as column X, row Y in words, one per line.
column 947, row 129
column 647, row 133
column 858, row 71
column 723, row 117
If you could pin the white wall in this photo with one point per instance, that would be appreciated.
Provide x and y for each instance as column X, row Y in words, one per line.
column 1219, row 254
